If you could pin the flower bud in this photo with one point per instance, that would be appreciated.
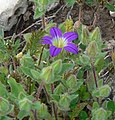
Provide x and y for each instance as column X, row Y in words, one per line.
column 64, row 102
column 19, row 55
column 96, row 35
column 92, row 49
column 57, row 66
column 85, row 35
column 69, row 25
column 47, row 74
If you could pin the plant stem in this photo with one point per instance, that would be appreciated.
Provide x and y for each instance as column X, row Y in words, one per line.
column 29, row 89
column 43, row 21
column 53, row 105
column 41, row 55
column 39, row 90
column 80, row 9
column 94, row 74
column 43, row 25
column 46, row 93
column 14, row 64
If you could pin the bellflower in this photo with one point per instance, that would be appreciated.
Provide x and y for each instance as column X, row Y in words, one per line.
column 58, row 41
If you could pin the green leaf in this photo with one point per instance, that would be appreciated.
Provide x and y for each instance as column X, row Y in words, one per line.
column 59, row 89
column 5, row 107
column 79, row 83
column 27, row 37
column 99, row 64
column 70, row 2
column 25, row 104
column 99, row 114
column 27, row 61
column 26, row 71
column 104, row 91
column 5, row 118
column 111, row 106
column 73, row 96
column 4, row 70
column 83, row 115
column 35, row 74
column 16, row 88
column 23, row 114
column 85, row 96
column 80, row 73
column 84, row 59
column 36, row 105
column 71, row 81
column 95, row 105
column 73, row 84
column 66, row 67
column 55, row 97
column 38, row 13
column 40, row 9
column 75, row 112
column 100, row 83
column 43, row 112
column 4, row 92
column 89, row 2
column 110, row 7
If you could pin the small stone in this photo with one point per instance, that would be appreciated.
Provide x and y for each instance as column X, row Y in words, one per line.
column 112, row 13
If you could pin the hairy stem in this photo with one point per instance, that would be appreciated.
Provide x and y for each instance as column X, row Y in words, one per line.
column 39, row 90
column 80, row 9
column 94, row 74
column 53, row 105
column 43, row 21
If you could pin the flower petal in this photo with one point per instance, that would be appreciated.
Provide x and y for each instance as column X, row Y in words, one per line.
column 55, row 32
column 71, row 48
column 54, row 51
column 69, row 36
column 47, row 40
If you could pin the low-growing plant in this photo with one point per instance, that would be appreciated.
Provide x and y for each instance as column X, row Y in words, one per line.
column 56, row 75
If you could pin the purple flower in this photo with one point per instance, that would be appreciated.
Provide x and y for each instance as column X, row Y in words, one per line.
column 59, row 41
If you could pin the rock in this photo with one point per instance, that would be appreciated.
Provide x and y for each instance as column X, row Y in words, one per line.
column 112, row 14
column 10, row 10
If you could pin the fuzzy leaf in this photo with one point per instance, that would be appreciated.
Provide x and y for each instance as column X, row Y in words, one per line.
column 16, row 88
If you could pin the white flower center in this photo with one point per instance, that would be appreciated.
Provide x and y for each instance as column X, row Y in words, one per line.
column 59, row 42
